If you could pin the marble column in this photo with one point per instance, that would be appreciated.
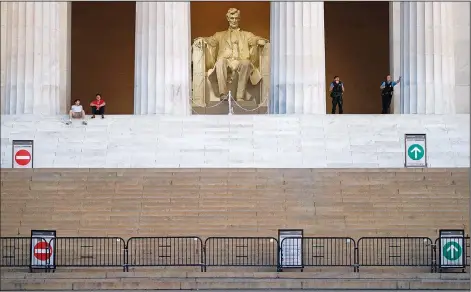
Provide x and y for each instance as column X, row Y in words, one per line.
column 427, row 62
column 162, row 58
column 298, row 84
column 35, row 58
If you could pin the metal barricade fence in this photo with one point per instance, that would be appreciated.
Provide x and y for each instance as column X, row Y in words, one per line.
column 165, row 251
column 15, row 251
column 318, row 252
column 89, row 251
column 468, row 251
column 395, row 252
column 225, row 251
column 241, row 252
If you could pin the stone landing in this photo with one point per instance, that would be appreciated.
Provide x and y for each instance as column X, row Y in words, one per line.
column 238, row 141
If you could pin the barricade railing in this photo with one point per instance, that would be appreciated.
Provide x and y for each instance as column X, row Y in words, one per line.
column 192, row 251
column 241, row 252
column 89, row 252
column 165, row 251
column 468, row 251
column 15, row 251
column 395, row 252
column 317, row 252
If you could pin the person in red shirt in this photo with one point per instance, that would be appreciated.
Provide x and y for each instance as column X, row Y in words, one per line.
column 98, row 106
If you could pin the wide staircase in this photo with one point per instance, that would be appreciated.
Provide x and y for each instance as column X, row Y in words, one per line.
column 234, row 202
column 406, row 206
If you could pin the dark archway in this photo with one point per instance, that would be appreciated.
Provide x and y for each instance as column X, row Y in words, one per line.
column 357, row 49
column 102, row 57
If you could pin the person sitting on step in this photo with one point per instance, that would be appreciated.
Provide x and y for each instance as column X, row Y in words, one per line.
column 98, row 106
column 76, row 112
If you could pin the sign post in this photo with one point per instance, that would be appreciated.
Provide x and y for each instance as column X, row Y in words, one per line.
column 415, row 148
column 452, row 249
column 291, row 248
column 22, row 153
column 43, row 250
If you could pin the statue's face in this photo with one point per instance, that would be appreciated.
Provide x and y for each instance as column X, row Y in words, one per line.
column 233, row 20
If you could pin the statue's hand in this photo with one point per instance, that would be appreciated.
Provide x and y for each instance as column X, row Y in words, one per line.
column 261, row 43
column 199, row 42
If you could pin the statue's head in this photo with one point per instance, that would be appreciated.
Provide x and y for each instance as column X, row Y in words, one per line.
column 233, row 17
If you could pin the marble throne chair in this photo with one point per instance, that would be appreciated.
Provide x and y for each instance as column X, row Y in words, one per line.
column 205, row 87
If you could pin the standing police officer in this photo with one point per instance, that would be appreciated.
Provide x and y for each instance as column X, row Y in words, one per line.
column 336, row 93
column 387, row 90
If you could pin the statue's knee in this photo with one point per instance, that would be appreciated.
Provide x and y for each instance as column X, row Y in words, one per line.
column 221, row 63
column 245, row 63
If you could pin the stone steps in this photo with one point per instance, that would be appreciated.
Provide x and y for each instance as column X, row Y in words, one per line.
column 329, row 205
column 248, row 141
column 90, row 281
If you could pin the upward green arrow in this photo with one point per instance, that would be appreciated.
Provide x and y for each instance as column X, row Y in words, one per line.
column 415, row 152
column 452, row 251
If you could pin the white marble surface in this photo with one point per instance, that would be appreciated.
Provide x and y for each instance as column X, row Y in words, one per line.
column 290, row 141
column 35, row 57
column 298, row 58
column 162, row 62
column 461, row 32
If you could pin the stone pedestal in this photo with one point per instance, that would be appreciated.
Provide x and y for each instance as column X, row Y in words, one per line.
column 298, row 82
column 426, row 57
column 162, row 62
column 35, row 62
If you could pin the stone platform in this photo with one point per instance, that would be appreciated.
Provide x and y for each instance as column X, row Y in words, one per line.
column 238, row 141
column 155, row 280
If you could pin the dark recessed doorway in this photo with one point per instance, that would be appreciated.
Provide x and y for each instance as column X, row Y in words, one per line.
column 357, row 50
column 102, row 57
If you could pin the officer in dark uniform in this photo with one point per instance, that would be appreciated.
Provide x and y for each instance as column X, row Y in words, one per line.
column 336, row 93
column 387, row 91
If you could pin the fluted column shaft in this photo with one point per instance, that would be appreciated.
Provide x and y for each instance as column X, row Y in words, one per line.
column 34, row 57
column 162, row 61
column 427, row 58
column 298, row 58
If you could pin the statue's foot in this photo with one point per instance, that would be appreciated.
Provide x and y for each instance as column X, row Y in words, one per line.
column 242, row 98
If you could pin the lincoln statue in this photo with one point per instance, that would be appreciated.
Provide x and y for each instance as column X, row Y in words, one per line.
column 232, row 51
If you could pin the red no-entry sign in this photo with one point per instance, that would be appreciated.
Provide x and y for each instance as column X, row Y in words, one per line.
column 42, row 251
column 22, row 153
column 23, row 157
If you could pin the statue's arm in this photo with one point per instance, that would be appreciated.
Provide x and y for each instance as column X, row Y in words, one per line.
column 211, row 41
column 254, row 40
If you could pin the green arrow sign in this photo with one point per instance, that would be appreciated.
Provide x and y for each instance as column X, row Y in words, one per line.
column 415, row 152
column 452, row 251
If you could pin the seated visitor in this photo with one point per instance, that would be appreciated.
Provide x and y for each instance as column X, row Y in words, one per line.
column 76, row 112
column 98, row 106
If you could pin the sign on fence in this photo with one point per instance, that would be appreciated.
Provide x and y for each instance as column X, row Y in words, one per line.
column 415, row 150
column 291, row 248
column 22, row 153
column 42, row 249
column 452, row 249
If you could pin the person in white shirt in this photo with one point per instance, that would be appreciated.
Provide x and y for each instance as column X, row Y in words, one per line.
column 77, row 112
